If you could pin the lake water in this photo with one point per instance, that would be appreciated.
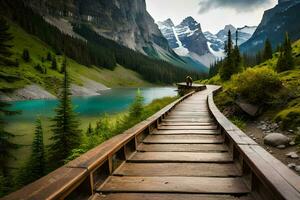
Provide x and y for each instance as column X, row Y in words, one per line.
column 110, row 101
column 89, row 110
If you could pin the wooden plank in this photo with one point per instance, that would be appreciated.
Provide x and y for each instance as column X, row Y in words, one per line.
column 202, row 185
column 189, row 120
column 161, row 196
column 187, row 127
column 178, row 169
column 211, row 157
column 189, row 117
column 185, row 132
column 188, row 124
column 183, row 139
column 183, row 147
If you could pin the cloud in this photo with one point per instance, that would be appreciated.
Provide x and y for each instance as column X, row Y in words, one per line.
column 238, row 5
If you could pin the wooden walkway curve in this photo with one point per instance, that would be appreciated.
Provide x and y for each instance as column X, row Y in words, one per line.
column 184, row 158
column 187, row 151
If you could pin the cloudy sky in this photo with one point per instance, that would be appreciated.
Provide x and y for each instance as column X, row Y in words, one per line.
column 212, row 14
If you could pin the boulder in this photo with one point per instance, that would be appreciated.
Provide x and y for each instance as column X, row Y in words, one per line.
column 276, row 139
column 250, row 109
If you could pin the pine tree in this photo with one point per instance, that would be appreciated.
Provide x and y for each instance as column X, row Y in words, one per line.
column 267, row 53
column 227, row 68
column 54, row 64
column 26, row 55
column 285, row 61
column 63, row 65
column 136, row 109
column 5, row 38
column 36, row 166
column 6, row 146
column 66, row 134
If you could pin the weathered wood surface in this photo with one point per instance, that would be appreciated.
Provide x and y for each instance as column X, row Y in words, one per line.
column 183, row 147
column 167, row 196
column 178, row 169
column 198, row 185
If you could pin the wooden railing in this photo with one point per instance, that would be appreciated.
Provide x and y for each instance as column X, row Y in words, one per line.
column 78, row 178
column 267, row 177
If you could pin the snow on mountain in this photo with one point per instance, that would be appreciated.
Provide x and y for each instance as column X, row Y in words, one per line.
column 216, row 42
column 187, row 40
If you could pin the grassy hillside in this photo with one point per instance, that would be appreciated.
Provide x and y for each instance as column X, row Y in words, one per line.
column 277, row 94
column 25, row 73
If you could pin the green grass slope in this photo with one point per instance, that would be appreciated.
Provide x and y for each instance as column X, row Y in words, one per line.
column 25, row 74
column 277, row 93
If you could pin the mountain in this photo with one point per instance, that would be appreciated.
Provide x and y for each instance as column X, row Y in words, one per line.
column 275, row 23
column 216, row 42
column 187, row 40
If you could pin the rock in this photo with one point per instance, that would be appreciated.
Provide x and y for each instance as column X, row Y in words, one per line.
column 292, row 165
column 291, row 131
column 280, row 147
column 248, row 108
column 292, row 143
column 276, row 139
column 293, row 155
column 297, row 168
column 263, row 127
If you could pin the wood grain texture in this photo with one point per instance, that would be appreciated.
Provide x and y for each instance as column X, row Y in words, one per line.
column 202, row 185
column 151, row 196
column 183, row 147
column 177, row 169
column 211, row 157
column 183, row 139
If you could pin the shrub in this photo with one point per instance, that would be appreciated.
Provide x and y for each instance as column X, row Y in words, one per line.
column 256, row 85
column 290, row 118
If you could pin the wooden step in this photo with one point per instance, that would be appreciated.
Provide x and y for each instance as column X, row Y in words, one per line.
column 177, row 169
column 183, row 139
column 202, row 185
column 211, row 157
column 165, row 196
column 201, row 120
column 187, row 124
column 186, row 132
column 187, row 127
column 183, row 147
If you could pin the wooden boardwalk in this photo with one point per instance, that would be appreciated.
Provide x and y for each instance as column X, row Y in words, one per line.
column 184, row 158
column 187, row 151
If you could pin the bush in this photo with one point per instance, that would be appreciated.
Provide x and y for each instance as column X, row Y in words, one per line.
column 290, row 118
column 256, row 85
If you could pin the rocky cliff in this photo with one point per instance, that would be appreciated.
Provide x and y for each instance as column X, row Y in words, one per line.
column 124, row 21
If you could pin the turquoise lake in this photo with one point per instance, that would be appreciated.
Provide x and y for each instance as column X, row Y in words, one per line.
column 110, row 102
column 89, row 110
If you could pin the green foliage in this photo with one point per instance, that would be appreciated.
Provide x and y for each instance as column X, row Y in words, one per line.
column 257, row 85
column 26, row 55
column 136, row 108
column 66, row 134
column 285, row 61
column 239, row 122
column 5, row 46
column 49, row 56
column 290, row 118
column 36, row 165
column 232, row 63
column 54, row 64
column 109, row 126
column 267, row 52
